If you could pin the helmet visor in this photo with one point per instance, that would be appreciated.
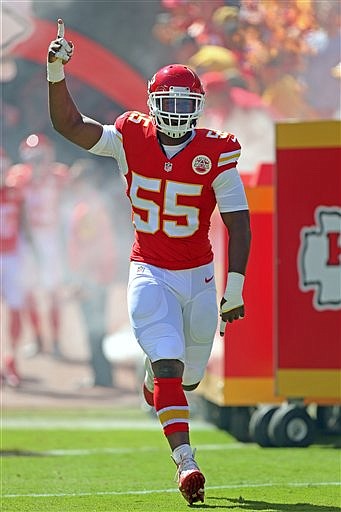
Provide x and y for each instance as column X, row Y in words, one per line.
column 176, row 105
column 175, row 112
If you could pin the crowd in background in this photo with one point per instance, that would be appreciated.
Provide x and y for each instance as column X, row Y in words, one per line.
column 287, row 53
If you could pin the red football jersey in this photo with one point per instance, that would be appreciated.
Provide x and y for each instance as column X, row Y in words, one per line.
column 11, row 200
column 172, row 199
column 42, row 197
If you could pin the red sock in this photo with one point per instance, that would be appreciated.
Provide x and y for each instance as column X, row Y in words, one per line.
column 15, row 327
column 171, row 405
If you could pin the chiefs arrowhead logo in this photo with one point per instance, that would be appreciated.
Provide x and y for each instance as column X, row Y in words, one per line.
column 319, row 259
column 201, row 164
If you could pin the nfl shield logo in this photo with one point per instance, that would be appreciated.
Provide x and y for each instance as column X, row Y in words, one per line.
column 168, row 166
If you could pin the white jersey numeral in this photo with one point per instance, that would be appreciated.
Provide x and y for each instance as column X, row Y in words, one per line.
column 217, row 134
column 137, row 117
column 168, row 205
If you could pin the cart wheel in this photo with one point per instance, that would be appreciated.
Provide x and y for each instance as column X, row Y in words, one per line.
column 259, row 423
column 328, row 419
column 291, row 425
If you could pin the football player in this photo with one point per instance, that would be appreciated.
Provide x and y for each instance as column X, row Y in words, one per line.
column 11, row 217
column 175, row 175
column 45, row 270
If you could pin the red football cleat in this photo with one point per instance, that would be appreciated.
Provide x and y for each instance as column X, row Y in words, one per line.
column 192, row 485
column 191, row 481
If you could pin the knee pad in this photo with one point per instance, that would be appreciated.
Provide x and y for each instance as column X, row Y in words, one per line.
column 161, row 341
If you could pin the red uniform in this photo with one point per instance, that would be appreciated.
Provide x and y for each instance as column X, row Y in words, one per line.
column 173, row 199
column 11, row 199
column 11, row 202
column 42, row 198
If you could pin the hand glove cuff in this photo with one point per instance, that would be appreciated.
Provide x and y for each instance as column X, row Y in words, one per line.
column 55, row 71
column 234, row 285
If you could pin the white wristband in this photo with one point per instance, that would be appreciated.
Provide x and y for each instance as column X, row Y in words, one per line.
column 55, row 71
column 233, row 291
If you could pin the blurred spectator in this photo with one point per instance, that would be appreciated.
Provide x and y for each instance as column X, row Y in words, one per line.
column 213, row 58
column 91, row 251
column 12, row 293
column 282, row 51
column 45, row 181
column 184, row 47
column 323, row 91
column 184, row 17
column 206, row 58
column 234, row 109
column 285, row 94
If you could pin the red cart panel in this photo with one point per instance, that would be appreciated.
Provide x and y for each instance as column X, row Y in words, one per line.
column 308, row 262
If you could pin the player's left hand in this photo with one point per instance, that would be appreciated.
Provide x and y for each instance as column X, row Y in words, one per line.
column 229, row 312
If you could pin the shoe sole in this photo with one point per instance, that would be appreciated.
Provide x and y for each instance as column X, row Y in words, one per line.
column 192, row 487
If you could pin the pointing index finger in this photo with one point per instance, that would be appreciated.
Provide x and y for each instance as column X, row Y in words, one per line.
column 61, row 29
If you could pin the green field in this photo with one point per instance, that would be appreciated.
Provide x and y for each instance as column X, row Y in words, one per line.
column 119, row 460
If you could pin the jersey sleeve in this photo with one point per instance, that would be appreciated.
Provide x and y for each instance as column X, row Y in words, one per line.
column 111, row 142
column 227, row 184
column 108, row 142
column 229, row 156
column 229, row 191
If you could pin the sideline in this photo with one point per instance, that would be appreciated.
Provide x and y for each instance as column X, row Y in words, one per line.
column 89, row 424
column 152, row 491
column 93, row 451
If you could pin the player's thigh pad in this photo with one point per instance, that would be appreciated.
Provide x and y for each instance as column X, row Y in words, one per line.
column 200, row 324
column 156, row 319
column 201, row 316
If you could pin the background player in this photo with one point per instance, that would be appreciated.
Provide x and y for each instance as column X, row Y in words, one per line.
column 91, row 261
column 175, row 175
column 12, row 292
column 46, row 180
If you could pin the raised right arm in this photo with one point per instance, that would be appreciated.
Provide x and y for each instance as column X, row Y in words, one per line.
column 64, row 114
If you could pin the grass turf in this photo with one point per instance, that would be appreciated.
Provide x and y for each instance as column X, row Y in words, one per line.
column 95, row 462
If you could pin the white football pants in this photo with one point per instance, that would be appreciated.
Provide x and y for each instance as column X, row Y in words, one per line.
column 174, row 314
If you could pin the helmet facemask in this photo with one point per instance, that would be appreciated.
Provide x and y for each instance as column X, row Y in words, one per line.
column 175, row 111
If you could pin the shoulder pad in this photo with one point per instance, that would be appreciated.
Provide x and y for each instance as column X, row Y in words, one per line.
column 120, row 120
column 18, row 175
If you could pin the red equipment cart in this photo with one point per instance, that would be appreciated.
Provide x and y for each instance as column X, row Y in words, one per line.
column 276, row 374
